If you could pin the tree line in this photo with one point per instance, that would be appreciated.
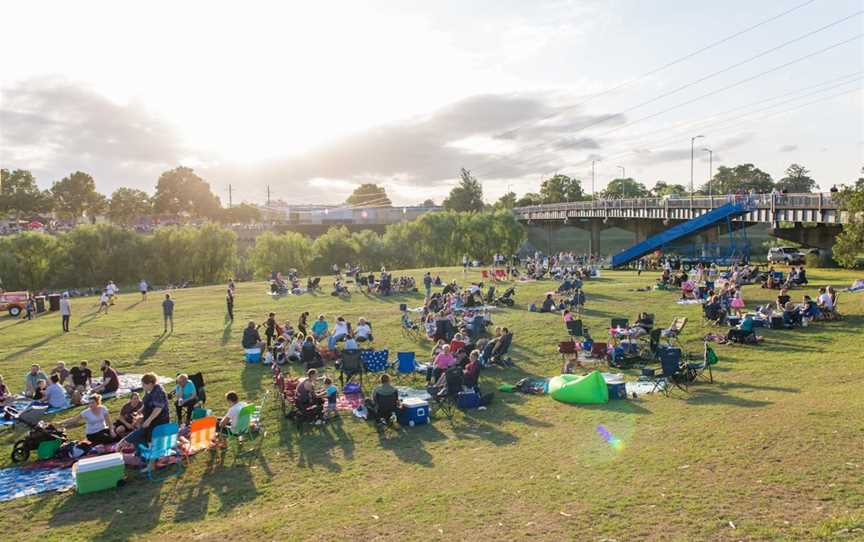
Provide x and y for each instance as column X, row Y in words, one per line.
column 91, row 255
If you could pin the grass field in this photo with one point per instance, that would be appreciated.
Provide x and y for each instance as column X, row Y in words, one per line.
column 773, row 450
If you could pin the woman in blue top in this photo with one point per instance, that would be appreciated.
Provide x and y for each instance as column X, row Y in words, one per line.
column 186, row 397
column 319, row 328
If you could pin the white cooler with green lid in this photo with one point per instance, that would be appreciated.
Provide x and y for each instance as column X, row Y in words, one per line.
column 98, row 473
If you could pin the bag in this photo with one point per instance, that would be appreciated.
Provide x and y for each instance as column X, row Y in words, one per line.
column 533, row 307
column 776, row 322
column 467, row 399
column 486, row 398
column 351, row 387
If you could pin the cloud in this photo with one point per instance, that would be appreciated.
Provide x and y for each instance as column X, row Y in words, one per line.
column 788, row 148
column 54, row 127
column 648, row 157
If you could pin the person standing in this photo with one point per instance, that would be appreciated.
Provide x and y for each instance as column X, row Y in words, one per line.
column 143, row 287
column 65, row 311
column 427, row 284
column 229, row 302
column 168, row 313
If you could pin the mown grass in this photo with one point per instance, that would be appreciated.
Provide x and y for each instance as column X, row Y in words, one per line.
column 773, row 450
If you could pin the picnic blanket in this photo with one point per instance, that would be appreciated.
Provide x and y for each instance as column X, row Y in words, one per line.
column 21, row 482
column 690, row 301
column 857, row 286
column 129, row 382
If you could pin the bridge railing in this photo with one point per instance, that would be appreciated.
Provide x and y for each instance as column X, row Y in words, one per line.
column 794, row 201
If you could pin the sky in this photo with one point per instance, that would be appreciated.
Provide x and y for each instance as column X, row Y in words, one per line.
column 315, row 98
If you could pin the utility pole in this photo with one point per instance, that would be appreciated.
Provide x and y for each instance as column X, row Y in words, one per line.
column 710, row 168
column 692, row 140
column 268, row 196
column 230, row 201
column 592, row 179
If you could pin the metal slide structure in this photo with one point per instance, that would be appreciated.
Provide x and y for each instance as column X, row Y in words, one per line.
column 724, row 213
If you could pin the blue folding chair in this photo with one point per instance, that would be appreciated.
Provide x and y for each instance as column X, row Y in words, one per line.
column 375, row 361
column 163, row 443
column 406, row 362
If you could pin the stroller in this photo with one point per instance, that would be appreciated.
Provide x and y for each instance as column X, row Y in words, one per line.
column 506, row 299
column 39, row 431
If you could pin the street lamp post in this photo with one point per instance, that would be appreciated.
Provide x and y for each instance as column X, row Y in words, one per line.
column 623, row 186
column 592, row 180
column 692, row 140
column 710, row 168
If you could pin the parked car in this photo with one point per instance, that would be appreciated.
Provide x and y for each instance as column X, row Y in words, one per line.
column 787, row 255
column 13, row 302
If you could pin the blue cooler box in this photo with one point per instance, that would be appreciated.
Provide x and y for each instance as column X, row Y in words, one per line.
column 468, row 399
column 253, row 355
column 413, row 412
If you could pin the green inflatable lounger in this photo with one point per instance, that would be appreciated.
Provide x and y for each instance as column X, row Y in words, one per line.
column 580, row 390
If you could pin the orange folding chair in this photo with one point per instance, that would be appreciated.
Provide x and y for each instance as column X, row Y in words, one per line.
column 201, row 433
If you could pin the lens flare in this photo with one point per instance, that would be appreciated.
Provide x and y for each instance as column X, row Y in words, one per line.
column 616, row 443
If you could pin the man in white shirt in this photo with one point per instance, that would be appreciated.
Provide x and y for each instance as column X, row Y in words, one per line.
column 143, row 287
column 340, row 330
column 235, row 405
column 103, row 302
column 65, row 311
column 363, row 333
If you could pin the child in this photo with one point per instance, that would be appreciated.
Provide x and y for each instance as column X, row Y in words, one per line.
column 103, row 302
column 737, row 303
column 331, row 391
column 4, row 393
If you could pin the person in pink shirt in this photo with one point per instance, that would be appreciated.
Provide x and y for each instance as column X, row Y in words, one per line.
column 442, row 361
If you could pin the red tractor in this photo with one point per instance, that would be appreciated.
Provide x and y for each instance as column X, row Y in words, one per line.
column 14, row 302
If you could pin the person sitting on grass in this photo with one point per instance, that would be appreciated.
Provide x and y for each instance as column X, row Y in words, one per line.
column 783, row 298
column 98, row 428
column 308, row 396
column 351, row 343
column 61, row 371
column 110, row 379
column 319, row 328
column 55, row 395
column 252, row 339
column 471, row 372
column 309, row 354
column 714, row 311
column 363, row 333
column 31, row 381
column 548, row 304
column 130, row 416
column 154, row 411
column 824, row 301
column 5, row 396
column 743, row 331
column 340, row 330
column 442, row 361
column 791, row 315
column 809, row 308
column 235, row 405
column 331, row 392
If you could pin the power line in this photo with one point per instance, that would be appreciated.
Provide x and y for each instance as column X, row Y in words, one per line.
column 664, row 66
column 606, row 118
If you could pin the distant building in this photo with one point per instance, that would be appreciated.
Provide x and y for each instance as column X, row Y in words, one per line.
column 340, row 214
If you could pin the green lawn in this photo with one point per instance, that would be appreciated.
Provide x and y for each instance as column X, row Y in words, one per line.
column 773, row 450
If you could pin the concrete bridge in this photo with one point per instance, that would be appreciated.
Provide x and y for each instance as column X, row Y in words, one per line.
column 812, row 220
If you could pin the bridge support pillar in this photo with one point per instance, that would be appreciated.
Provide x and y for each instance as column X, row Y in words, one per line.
column 594, row 229
column 817, row 236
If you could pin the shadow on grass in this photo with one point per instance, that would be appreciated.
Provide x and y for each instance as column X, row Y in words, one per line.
column 717, row 396
column 133, row 305
column 408, row 444
column 30, row 348
column 312, row 446
column 151, row 350
column 226, row 331
column 232, row 486
column 88, row 318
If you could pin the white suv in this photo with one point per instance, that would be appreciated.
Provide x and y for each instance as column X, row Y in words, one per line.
column 787, row 255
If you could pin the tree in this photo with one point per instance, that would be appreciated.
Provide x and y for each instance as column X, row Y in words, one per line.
column 273, row 252
column 369, row 195
column 181, row 191
column 662, row 189
column 19, row 194
column 507, row 201
column 334, row 246
column 76, row 195
column 127, row 205
column 796, row 180
column 744, row 177
column 244, row 213
column 34, row 254
column 467, row 195
column 849, row 245
column 531, row 198
column 625, row 188
column 428, row 203
column 561, row 188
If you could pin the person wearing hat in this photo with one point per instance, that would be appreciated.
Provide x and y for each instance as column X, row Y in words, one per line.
column 65, row 311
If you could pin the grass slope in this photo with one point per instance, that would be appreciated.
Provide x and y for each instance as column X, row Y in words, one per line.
column 774, row 447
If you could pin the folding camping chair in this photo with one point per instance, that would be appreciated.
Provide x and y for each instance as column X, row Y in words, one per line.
column 201, row 433
column 673, row 371
column 445, row 398
column 619, row 322
column 697, row 371
column 406, row 362
column 674, row 330
column 574, row 328
column 198, row 380
column 163, row 444
column 351, row 365
column 248, row 428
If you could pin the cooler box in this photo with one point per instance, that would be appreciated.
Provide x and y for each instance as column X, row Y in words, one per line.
column 468, row 399
column 413, row 412
column 776, row 322
column 98, row 473
column 253, row 355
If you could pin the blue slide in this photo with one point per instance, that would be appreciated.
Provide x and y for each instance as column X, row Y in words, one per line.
column 680, row 231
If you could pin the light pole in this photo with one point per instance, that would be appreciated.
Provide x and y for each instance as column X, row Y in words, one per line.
column 710, row 168
column 592, row 179
column 692, row 140
column 623, row 186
